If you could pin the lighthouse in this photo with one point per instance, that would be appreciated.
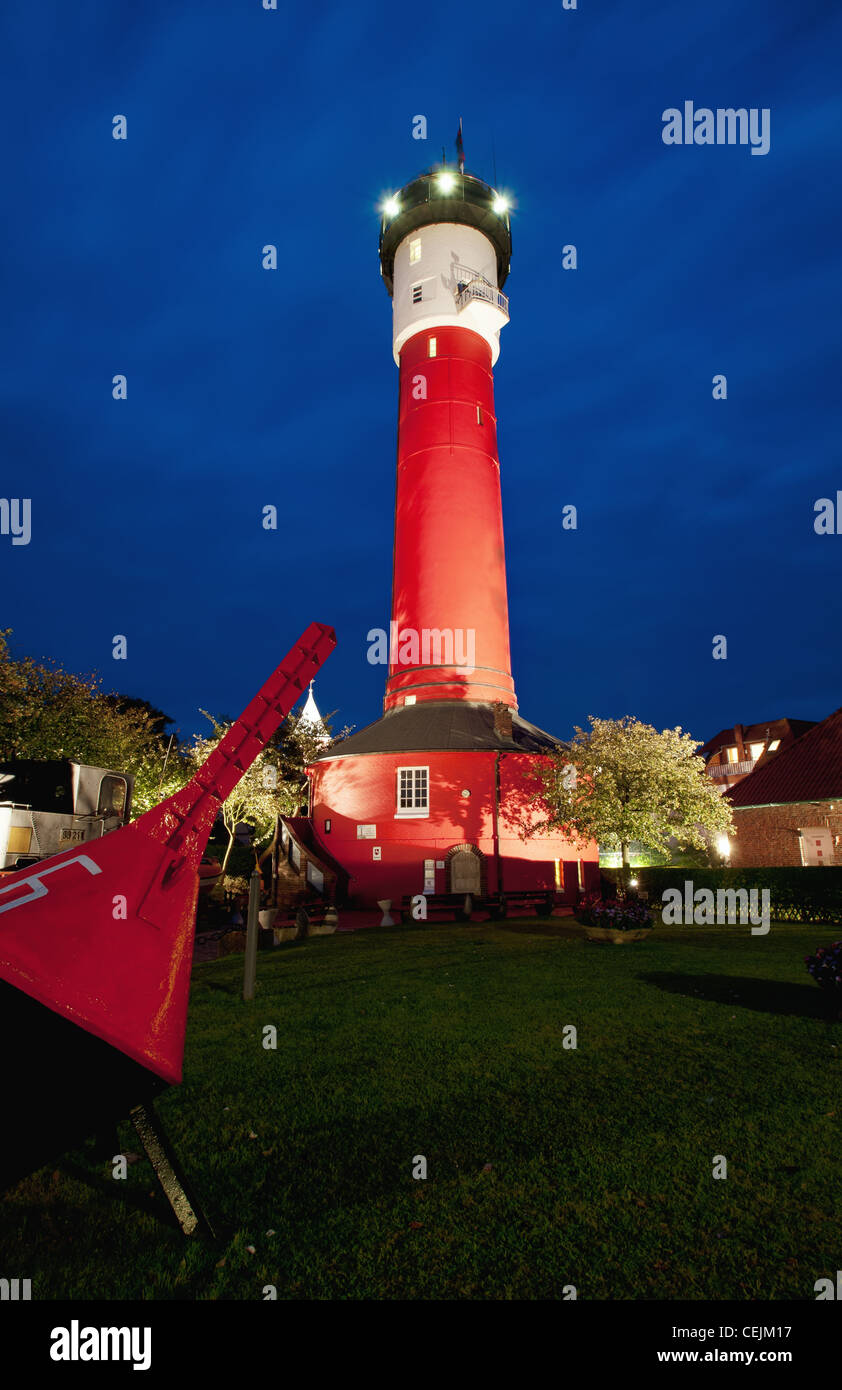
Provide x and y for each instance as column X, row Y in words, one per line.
column 433, row 796
column 444, row 256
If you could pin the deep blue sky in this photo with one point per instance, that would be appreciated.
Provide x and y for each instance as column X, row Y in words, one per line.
column 247, row 387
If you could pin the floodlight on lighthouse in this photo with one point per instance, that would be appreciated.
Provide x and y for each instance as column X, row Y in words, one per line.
column 500, row 205
column 447, row 182
column 391, row 207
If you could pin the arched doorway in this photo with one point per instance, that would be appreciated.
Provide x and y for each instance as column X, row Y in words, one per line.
column 464, row 870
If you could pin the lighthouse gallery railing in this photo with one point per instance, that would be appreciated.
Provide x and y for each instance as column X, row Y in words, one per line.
column 471, row 285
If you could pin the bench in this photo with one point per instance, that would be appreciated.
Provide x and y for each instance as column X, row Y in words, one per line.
column 312, row 918
column 540, row 900
column 451, row 906
column 447, row 907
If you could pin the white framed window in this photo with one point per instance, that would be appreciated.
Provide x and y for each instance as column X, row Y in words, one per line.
column 415, row 251
column 431, row 347
column 409, row 699
column 422, row 290
column 776, row 743
column 413, row 791
column 756, row 750
column 733, row 755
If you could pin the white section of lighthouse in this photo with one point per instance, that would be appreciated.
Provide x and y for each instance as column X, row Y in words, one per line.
column 446, row 277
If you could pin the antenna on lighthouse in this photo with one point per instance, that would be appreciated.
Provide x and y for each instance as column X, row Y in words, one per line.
column 460, row 151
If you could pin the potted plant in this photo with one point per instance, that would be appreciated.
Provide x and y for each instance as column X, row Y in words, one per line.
column 268, row 913
column 618, row 920
column 826, row 969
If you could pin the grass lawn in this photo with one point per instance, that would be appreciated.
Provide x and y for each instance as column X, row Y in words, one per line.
column 547, row 1166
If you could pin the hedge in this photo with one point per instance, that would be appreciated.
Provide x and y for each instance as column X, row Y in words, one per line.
column 796, row 895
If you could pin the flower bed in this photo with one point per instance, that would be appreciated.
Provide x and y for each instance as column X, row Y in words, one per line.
column 615, row 914
column 826, row 968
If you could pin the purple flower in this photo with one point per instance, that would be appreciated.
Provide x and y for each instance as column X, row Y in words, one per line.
column 825, row 966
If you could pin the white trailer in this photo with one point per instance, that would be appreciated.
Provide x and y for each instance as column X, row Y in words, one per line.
column 48, row 805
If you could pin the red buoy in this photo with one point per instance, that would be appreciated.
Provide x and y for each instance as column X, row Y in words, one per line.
column 102, row 934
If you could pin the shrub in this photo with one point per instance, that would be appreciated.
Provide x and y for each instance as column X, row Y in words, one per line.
column 797, row 894
column 235, row 886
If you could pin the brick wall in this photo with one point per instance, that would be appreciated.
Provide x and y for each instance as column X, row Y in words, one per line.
column 768, row 835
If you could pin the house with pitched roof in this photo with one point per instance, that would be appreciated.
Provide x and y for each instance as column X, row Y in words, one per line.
column 788, row 811
column 733, row 753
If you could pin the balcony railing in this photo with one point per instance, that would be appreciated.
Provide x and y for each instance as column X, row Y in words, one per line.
column 731, row 769
column 487, row 293
column 471, row 285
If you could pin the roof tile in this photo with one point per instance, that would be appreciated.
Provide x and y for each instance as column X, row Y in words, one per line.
column 810, row 769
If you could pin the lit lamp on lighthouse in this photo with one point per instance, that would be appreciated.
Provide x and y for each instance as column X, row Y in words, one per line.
column 432, row 796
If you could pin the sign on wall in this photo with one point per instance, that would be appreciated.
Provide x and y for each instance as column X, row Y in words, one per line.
column 816, row 845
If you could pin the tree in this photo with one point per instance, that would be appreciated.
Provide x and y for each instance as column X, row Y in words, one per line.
column 159, row 772
column 160, row 764
column 158, row 721
column 252, row 800
column 621, row 780
column 297, row 744
column 47, row 712
column 276, row 783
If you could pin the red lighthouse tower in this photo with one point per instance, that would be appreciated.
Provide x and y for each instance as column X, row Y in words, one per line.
column 432, row 796
column 445, row 277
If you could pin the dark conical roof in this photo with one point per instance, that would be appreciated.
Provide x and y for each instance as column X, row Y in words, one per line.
column 461, row 725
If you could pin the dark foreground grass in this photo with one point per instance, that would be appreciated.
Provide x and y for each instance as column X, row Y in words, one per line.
column 547, row 1166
